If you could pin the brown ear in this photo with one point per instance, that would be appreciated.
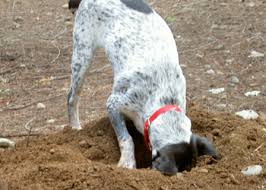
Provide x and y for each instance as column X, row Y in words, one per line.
column 202, row 146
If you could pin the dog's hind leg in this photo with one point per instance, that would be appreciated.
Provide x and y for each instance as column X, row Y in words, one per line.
column 83, row 48
column 127, row 159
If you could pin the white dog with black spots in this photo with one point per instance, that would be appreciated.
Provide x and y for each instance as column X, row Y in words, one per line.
column 148, row 80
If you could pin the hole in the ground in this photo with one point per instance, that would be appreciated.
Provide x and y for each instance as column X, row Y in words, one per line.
column 101, row 143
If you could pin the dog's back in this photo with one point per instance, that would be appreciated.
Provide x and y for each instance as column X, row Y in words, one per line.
column 130, row 34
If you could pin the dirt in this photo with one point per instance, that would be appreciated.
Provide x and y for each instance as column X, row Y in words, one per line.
column 214, row 39
column 87, row 159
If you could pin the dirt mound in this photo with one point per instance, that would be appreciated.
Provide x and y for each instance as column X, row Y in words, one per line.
column 87, row 159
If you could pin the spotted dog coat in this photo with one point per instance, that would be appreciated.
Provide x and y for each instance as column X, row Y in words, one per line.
column 147, row 75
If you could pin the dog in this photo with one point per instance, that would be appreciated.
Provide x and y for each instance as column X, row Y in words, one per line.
column 149, row 87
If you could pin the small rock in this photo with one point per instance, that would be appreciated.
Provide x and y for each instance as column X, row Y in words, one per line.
column 234, row 80
column 52, row 151
column 65, row 6
column 67, row 19
column 83, row 143
column 252, row 93
column 41, row 106
column 216, row 132
column 18, row 19
column 50, row 121
column 68, row 23
column 218, row 47
column 216, row 90
column 255, row 54
column 251, row 4
column 252, row 170
column 6, row 143
column 221, row 105
column 247, row 114
column 203, row 170
column 211, row 71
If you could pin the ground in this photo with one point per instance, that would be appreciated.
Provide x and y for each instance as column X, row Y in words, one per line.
column 215, row 40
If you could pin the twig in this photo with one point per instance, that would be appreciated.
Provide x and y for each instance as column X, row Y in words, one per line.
column 59, row 52
column 20, row 135
column 29, row 130
column 9, row 70
column 19, row 107
column 258, row 147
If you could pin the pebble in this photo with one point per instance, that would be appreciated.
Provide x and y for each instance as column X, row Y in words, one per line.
column 211, row 71
column 252, row 170
column 216, row 90
column 252, row 93
column 234, row 80
column 254, row 54
column 216, row 132
column 18, row 19
column 68, row 23
column 251, row 4
column 40, row 106
column 50, row 121
column 6, row 143
column 203, row 170
column 65, row 6
column 52, row 151
column 247, row 114
column 83, row 143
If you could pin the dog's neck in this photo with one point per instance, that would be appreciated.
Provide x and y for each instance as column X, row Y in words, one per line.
column 169, row 128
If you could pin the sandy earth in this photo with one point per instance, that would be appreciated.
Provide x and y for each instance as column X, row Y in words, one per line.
column 215, row 40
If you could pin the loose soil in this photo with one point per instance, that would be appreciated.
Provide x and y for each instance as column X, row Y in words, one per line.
column 87, row 159
column 214, row 39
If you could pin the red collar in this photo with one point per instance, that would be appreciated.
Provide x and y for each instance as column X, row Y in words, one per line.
column 148, row 122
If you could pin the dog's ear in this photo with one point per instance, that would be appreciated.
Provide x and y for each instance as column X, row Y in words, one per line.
column 73, row 5
column 202, row 146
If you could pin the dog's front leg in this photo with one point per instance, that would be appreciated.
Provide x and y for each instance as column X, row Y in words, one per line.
column 127, row 159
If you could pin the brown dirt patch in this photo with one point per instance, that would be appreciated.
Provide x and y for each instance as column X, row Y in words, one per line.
column 87, row 159
column 35, row 52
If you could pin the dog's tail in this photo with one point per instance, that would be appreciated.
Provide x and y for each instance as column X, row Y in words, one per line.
column 73, row 5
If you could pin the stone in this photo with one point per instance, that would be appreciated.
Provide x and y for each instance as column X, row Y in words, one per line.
column 252, row 170
column 216, row 90
column 255, row 54
column 50, row 121
column 6, row 143
column 234, row 80
column 252, row 93
column 65, row 6
column 40, row 106
column 18, row 19
column 247, row 114
column 52, row 151
column 210, row 71
column 203, row 170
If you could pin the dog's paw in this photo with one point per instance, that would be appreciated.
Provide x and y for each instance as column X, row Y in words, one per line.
column 76, row 127
column 129, row 162
column 127, row 159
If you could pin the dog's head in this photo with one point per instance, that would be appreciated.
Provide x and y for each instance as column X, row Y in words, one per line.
column 73, row 5
column 179, row 157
